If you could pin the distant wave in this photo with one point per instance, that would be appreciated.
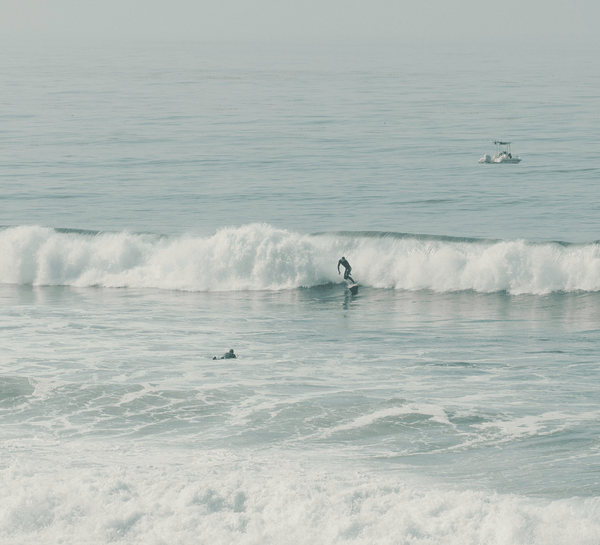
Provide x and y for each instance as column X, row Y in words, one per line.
column 261, row 257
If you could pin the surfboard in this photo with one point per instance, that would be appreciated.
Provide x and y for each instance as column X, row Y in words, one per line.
column 353, row 288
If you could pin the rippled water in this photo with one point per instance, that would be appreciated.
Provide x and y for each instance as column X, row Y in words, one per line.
column 162, row 205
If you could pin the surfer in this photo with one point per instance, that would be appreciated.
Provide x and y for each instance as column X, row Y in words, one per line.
column 348, row 268
column 227, row 355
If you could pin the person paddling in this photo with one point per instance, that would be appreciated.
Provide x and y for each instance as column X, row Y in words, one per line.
column 227, row 355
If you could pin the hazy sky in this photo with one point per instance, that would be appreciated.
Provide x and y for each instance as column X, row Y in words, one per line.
column 295, row 20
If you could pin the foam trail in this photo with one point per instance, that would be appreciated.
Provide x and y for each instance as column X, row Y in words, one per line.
column 261, row 257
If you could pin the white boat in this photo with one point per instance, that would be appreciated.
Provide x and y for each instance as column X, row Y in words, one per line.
column 503, row 154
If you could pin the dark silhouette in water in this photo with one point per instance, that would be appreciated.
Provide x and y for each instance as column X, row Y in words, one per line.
column 227, row 355
column 348, row 268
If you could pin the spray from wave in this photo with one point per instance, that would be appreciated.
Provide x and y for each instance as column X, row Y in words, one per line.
column 261, row 257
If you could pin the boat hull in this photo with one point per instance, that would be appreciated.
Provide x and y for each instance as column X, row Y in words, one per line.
column 511, row 160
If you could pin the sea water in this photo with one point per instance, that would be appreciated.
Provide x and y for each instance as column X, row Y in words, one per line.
column 162, row 204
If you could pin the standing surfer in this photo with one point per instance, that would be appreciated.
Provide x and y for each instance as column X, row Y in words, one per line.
column 348, row 268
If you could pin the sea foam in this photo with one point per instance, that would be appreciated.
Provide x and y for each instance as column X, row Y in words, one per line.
column 262, row 257
column 221, row 499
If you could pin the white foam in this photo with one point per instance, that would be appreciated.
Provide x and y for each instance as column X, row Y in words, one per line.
column 261, row 257
column 434, row 412
column 273, row 499
column 527, row 426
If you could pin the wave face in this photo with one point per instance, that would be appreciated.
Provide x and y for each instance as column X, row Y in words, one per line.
column 261, row 257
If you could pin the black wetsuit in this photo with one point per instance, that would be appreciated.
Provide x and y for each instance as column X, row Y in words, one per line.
column 227, row 355
column 348, row 268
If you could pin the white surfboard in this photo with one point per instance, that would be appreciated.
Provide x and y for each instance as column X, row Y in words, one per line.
column 353, row 287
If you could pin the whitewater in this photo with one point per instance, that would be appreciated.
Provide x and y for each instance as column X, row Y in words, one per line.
column 163, row 204
column 261, row 257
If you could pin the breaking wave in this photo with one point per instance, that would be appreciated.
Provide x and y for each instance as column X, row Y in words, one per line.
column 227, row 503
column 262, row 257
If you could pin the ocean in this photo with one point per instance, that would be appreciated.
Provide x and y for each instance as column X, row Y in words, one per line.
column 162, row 204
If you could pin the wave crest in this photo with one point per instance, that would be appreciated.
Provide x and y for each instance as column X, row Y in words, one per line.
column 261, row 257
